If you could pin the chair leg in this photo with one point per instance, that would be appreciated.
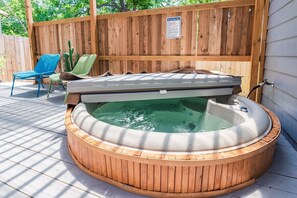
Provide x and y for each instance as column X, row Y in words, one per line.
column 49, row 88
column 12, row 86
column 39, row 79
column 63, row 85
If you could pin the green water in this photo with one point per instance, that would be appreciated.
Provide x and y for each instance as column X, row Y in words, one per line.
column 169, row 115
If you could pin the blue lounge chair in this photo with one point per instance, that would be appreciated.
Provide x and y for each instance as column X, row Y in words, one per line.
column 45, row 66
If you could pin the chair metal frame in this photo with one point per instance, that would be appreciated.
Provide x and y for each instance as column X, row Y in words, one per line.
column 36, row 74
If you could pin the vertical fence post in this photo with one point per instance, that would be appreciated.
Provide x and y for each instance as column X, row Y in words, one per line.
column 94, row 34
column 31, row 36
column 257, row 40
column 263, row 48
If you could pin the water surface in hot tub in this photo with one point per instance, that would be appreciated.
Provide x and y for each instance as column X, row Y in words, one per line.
column 167, row 115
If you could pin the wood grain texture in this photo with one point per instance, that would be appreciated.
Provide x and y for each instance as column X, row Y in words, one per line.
column 176, row 58
column 31, row 36
column 136, row 41
column 256, row 44
column 263, row 47
column 47, row 128
column 206, row 6
column 93, row 34
column 15, row 51
column 174, row 174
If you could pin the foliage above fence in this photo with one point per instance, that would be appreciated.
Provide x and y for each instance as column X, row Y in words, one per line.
column 46, row 10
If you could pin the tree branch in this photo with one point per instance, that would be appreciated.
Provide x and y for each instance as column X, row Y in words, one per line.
column 121, row 6
column 17, row 18
column 104, row 5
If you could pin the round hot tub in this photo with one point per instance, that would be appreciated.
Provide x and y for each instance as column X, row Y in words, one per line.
column 174, row 147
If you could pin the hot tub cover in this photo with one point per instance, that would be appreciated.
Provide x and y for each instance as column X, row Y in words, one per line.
column 152, row 86
column 152, row 81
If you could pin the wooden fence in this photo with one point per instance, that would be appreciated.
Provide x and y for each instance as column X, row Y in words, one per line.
column 16, row 53
column 225, row 36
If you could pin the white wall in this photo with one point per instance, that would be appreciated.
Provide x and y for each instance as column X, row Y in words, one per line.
column 281, row 64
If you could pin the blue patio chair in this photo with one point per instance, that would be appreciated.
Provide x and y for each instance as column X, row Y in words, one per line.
column 45, row 66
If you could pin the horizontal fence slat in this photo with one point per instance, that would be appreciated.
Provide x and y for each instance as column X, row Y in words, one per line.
column 61, row 21
column 214, row 36
column 177, row 58
column 206, row 6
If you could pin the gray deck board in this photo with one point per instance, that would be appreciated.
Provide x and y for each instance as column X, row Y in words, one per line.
column 8, row 191
column 34, row 160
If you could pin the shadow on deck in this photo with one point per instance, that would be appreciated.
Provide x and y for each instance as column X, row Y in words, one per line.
column 35, row 161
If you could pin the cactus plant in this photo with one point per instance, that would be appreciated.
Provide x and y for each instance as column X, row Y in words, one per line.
column 76, row 58
column 67, row 66
column 69, row 63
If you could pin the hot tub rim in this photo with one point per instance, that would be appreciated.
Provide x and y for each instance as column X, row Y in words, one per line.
column 232, row 138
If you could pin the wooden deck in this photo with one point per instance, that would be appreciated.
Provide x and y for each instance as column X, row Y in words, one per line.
column 34, row 160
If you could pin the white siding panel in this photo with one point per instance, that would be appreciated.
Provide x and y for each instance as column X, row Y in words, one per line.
column 286, row 47
column 282, row 99
column 287, row 121
column 286, row 65
column 283, row 31
column 286, row 13
column 286, row 83
column 276, row 5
